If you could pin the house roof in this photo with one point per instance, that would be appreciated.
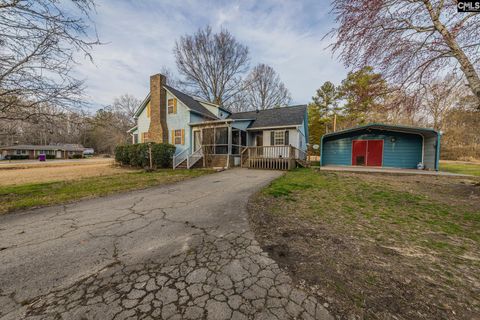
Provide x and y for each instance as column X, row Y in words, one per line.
column 387, row 127
column 191, row 103
column 275, row 117
column 66, row 147
column 187, row 100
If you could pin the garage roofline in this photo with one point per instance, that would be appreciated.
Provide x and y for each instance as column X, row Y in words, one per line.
column 382, row 126
column 423, row 132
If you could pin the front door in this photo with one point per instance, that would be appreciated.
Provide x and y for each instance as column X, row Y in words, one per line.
column 367, row 153
column 259, row 138
column 196, row 140
column 359, row 152
column 259, row 143
column 374, row 153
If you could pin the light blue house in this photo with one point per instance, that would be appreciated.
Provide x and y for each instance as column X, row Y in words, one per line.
column 206, row 134
column 382, row 145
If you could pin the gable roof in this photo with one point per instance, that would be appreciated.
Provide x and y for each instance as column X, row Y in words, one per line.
column 386, row 127
column 187, row 100
column 190, row 102
column 275, row 117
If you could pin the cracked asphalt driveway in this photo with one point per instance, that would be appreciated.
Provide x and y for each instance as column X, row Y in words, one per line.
column 182, row 251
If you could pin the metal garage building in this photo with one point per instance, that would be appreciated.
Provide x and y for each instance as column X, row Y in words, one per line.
column 382, row 145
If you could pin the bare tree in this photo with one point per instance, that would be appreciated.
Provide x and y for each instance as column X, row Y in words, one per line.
column 172, row 80
column 411, row 41
column 439, row 97
column 127, row 105
column 40, row 40
column 212, row 64
column 265, row 89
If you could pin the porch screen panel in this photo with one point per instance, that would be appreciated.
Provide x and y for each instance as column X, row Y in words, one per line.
column 221, row 140
column 235, row 142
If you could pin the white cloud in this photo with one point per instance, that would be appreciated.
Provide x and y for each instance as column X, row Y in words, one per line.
column 139, row 38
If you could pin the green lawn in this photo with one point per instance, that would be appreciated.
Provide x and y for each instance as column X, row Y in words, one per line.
column 364, row 237
column 463, row 168
column 42, row 194
column 382, row 206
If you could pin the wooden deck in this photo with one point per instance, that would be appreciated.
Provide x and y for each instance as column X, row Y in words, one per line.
column 272, row 157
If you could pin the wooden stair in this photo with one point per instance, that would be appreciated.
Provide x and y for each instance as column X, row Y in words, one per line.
column 182, row 165
column 303, row 163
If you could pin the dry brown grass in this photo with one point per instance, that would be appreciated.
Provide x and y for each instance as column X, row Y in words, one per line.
column 21, row 173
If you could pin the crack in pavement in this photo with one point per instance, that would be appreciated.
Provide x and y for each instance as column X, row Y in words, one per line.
column 225, row 277
column 155, row 254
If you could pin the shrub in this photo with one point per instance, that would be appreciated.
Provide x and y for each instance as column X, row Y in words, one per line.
column 162, row 154
column 77, row 156
column 137, row 155
column 17, row 157
column 50, row 156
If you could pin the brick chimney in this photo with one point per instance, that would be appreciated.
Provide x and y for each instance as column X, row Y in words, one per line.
column 158, row 130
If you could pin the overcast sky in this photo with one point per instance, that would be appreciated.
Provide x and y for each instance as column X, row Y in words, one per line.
column 139, row 37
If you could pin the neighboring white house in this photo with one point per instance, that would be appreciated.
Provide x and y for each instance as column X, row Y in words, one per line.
column 30, row 151
column 206, row 134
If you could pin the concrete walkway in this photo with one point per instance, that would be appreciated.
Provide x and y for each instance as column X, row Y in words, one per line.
column 183, row 251
column 390, row 170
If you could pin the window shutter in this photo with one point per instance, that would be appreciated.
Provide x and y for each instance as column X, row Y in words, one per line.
column 272, row 138
column 173, row 137
column 175, row 105
column 287, row 142
column 183, row 136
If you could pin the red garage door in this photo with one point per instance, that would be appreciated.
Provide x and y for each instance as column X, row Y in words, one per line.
column 367, row 153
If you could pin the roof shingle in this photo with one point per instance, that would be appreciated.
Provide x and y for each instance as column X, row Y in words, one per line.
column 191, row 102
column 275, row 117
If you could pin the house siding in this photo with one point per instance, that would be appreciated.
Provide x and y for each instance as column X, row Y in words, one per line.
column 429, row 158
column 405, row 152
column 179, row 121
column 143, row 123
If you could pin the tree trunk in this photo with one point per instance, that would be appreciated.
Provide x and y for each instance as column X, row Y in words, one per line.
column 465, row 63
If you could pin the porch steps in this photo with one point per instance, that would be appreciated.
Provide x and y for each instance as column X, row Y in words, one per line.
column 182, row 165
column 303, row 163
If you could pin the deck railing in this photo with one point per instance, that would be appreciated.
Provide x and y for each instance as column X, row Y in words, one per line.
column 271, row 157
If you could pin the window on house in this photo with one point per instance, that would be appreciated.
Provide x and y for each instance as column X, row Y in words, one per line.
column 279, row 138
column 172, row 105
column 178, row 137
column 148, row 110
column 21, row 151
column 135, row 138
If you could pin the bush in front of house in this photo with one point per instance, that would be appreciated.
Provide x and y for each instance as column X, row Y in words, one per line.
column 76, row 156
column 17, row 157
column 137, row 155
column 162, row 154
column 50, row 156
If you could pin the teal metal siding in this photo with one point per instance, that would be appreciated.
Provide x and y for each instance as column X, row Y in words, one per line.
column 404, row 152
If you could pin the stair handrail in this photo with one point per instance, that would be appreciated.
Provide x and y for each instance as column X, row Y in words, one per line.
column 194, row 157
column 179, row 158
column 242, row 156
